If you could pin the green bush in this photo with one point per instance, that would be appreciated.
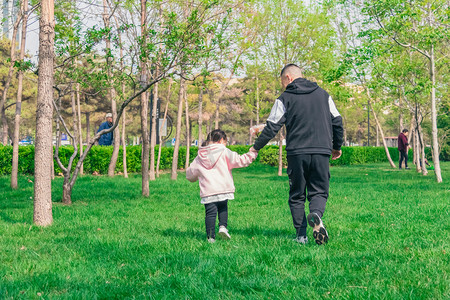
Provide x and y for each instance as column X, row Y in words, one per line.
column 350, row 155
column 99, row 157
column 97, row 160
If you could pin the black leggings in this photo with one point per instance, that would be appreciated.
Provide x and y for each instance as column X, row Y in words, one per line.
column 211, row 210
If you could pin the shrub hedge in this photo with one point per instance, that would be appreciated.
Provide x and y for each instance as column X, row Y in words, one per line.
column 350, row 155
column 99, row 157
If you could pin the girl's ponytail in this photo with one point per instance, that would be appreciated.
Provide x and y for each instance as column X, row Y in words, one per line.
column 215, row 136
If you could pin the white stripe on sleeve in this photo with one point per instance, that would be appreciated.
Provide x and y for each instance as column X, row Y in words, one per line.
column 277, row 112
column 333, row 108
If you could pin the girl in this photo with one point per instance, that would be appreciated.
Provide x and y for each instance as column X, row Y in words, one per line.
column 212, row 168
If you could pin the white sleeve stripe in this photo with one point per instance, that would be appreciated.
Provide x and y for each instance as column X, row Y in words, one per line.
column 333, row 108
column 277, row 112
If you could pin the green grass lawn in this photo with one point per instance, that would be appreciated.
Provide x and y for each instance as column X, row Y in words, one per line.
column 389, row 239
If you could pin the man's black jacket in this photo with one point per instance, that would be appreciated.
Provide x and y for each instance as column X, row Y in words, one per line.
column 313, row 124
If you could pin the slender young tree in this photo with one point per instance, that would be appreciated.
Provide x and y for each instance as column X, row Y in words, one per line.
column 181, row 95
column 9, row 76
column 80, row 132
column 112, row 91
column 144, row 104
column 169, row 94
column 15, row 160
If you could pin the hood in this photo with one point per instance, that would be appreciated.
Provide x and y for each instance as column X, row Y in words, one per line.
column 209, row 155
column 301, row 86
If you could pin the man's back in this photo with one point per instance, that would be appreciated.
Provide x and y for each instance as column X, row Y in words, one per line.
column 107, row 138
column 312, row 121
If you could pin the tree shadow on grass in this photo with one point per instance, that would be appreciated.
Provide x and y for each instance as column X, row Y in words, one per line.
column 263, row 232
column 243, row 231
column 271, row 178
column 7, row 219
column 190, row 234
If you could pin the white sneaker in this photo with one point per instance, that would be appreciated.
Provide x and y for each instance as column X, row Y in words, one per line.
column 223, row 232
column 301, row 240
column 211, row 240
column 319, row 232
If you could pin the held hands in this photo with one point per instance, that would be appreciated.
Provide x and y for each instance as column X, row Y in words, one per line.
column 253, row 150
column 335, row 154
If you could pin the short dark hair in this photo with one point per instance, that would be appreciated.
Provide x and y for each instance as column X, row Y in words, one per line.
column 405, row 130
column 215, row 136
column 287, row 67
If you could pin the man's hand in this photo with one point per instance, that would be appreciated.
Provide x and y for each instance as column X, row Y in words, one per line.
column 253, row 149
column 335, row 154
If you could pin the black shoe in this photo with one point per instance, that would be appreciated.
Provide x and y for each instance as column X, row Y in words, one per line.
column 320, row 234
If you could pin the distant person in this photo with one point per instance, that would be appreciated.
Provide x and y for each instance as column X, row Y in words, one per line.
column 107, row 138
column 314, row 133
column 403, row 148
column 212, row 168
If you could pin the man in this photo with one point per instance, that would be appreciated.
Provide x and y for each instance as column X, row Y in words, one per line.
column 107, row 138
column 403, row 148
column 314, row 132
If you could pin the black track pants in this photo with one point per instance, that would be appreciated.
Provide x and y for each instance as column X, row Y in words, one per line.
column 307, row 173
column 403, row 156
column 211, row 210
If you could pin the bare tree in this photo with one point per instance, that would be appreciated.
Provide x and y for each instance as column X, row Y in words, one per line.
column 188, row 134
column 42, row 214
column 15, row 160
column 124, row 122
column 155, row 117
column 144, row 105
column 112, row 91
column 181, row 95
column 162, row 126
column 80, row 132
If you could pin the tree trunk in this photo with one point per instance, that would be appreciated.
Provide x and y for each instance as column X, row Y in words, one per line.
column 434, row 130
column 67, row 192
column 422, row 152
column 378, row 137
column 122, row 68
column 144, row 105
column 15, row 159
column 411, row 129
column 250, row 137
column 388, row 155
column 42, row 214
column 257, row 99
column 88, row 127
column 200, row 116
column 10, row 75
column 416, row 151
column 5, row 128
column 79, row 126
column 280, row 153
column 154, row 128
column 400, row 114
column 124, row 144
column 178, row 130
column 112, row 93
column 160, row 138
column 188, row 134
column 216, row 120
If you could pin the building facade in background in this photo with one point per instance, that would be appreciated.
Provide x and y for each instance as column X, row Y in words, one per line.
column 9, row 11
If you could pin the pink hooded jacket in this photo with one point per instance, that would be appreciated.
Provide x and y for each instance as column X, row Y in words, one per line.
column 212, row 168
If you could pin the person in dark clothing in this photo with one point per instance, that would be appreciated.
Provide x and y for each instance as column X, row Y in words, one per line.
column 314, row 133
column 107, row 138
column 403, row 148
